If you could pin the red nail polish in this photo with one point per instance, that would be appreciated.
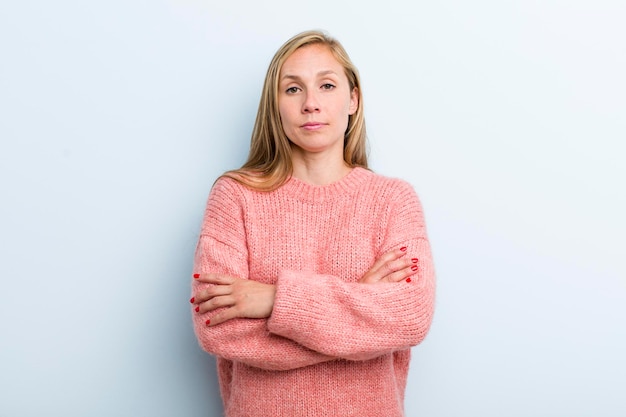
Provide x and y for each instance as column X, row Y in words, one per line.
column 414, row 260
column 193, row 299
column 408, row 279
column 196, row 276
column 208, row 322
column 197, row 309
column 403, row 248
column 414, row 268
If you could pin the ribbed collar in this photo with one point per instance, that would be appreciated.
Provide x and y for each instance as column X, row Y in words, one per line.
column 348, row 185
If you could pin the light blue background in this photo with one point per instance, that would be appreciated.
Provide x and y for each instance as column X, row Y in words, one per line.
column 509, row 118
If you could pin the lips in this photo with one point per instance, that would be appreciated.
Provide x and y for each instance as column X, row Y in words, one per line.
column 312, row 125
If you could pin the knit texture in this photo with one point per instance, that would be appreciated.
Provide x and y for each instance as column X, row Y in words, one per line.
column 332, row 346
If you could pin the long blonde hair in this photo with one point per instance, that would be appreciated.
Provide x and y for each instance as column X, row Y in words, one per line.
column 269, row 162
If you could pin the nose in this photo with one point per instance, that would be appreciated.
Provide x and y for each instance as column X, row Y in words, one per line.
column 311, row 103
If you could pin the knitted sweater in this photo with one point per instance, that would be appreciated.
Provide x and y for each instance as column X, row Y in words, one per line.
column 332, row 346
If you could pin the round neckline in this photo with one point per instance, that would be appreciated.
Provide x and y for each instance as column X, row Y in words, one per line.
column 347, row 185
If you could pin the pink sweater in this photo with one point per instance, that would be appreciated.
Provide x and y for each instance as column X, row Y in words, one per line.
column 332, row 346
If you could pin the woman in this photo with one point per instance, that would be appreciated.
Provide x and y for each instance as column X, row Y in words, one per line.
column 313, row 276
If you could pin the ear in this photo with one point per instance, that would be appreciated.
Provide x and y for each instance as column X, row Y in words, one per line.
column 354, row 101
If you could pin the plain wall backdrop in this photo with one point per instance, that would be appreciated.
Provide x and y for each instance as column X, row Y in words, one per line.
column 509, row 118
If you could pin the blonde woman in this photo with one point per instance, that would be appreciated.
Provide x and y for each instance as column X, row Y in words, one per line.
column 313, row 276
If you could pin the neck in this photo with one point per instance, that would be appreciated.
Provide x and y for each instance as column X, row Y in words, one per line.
column 321, row 169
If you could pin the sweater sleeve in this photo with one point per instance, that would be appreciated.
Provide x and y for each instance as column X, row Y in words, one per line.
column 357, row 321
column 222, row 249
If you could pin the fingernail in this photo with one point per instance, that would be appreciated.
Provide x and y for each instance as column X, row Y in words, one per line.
column 414, row 260
column 403, row 248
column 197, row 309
column 193, row 299
column 196, row 276
column 208, row 322
column 408, row 279
column 414, row 268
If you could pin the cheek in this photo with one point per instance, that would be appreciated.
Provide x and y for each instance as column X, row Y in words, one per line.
column 284, row 111
column 282, row 116
column 345, row 105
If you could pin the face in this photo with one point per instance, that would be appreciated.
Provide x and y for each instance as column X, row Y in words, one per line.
column 315, row 100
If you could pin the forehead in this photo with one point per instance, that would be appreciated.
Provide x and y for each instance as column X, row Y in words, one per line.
column 311, row 60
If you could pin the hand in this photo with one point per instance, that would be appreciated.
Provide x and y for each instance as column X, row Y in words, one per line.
column 391, row 267
column 242, row 298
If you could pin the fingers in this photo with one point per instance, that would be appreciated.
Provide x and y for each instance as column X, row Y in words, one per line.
column 209, row 292
column 403, row 274
column 387, row 257
column 214, row 296
column 215, row 303
column 229, row 313
column 392, row 266
column 383, row 266
column 218, row 279
column 232, row 297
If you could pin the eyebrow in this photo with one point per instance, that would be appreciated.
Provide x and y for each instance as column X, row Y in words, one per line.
column 296, row 77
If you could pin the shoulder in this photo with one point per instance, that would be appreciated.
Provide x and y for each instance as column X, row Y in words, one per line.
column 226, row 183
column 229, row 188
column 392, row 188
column 226, row 196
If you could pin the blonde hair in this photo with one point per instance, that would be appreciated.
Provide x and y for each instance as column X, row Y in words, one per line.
column 269, row 162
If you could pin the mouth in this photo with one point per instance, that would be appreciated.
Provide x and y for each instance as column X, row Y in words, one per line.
column 312, row 125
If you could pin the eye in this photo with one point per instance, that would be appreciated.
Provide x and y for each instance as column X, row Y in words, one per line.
column 327, row 86
column 292, row 90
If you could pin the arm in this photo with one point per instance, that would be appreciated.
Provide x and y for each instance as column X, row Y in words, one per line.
column 360, row 321
column 222, row 249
